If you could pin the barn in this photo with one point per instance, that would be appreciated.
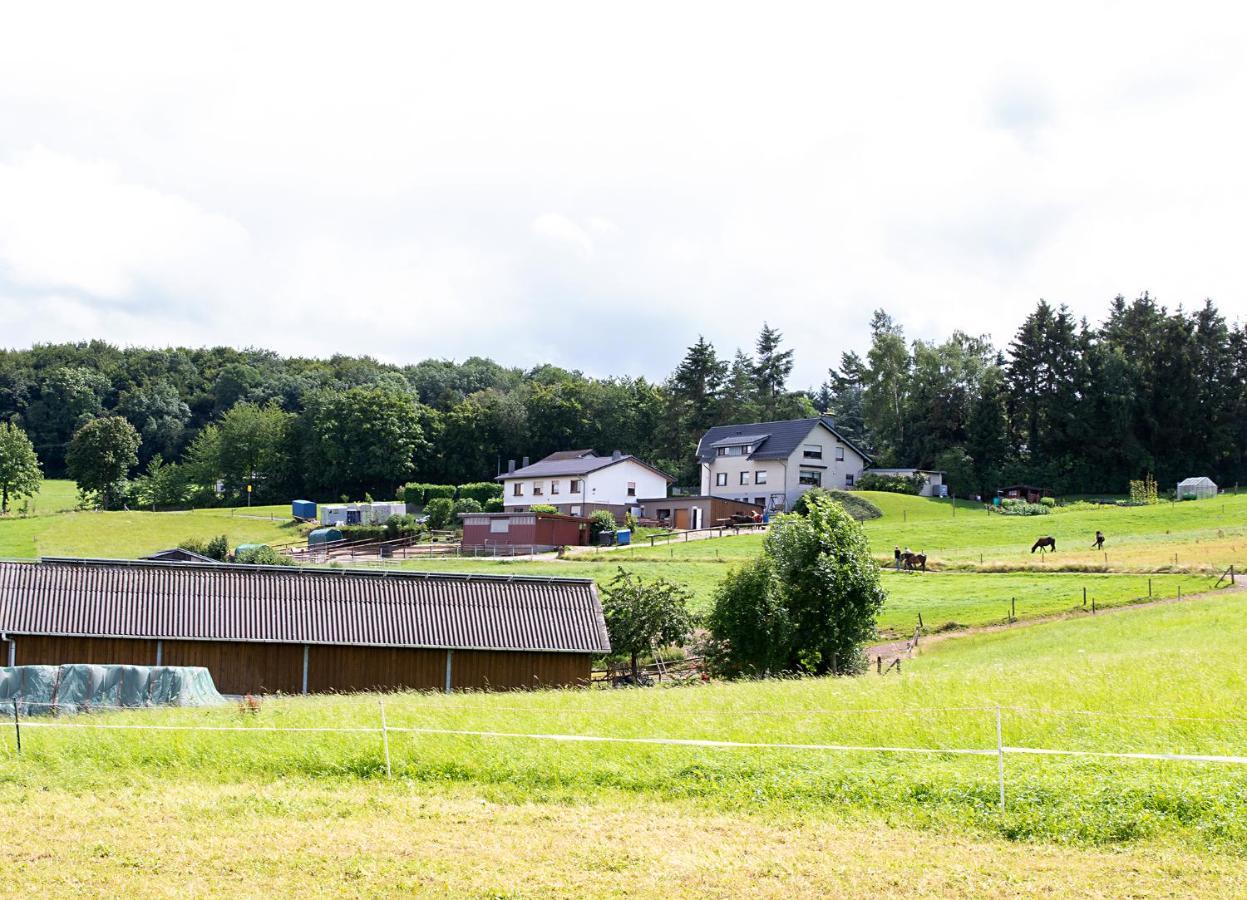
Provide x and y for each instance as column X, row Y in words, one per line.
column 268, row 629
column 536, row 531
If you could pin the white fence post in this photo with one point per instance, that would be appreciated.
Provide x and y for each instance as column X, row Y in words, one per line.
column 1000, row 759
column 385, row 739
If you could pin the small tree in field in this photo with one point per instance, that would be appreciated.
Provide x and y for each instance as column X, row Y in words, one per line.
column 19, row 466
column 641, row 615
column 808, row 605
column 101, row 454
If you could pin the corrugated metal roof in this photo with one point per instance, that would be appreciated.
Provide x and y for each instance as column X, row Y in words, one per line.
column 275, row 604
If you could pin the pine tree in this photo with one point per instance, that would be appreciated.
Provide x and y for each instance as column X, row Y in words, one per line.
column 770, row 371
column 886, row 385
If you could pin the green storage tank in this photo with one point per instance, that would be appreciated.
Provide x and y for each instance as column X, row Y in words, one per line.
column 323, row 536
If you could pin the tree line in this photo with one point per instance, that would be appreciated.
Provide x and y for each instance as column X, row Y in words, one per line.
column 1065, row 404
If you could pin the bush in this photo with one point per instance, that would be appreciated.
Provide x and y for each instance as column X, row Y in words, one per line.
column 467, row 505
column 892, row 484
column 441, row 512
column 419, row 494
column 263, row 555
column 543, row 508
column 217, row 548
column 808, row 604
column 393, row 528
column 858, row 507
column 480, row 491
column 601, row 520
column 493, row 504
column 1049, row 502
column 1014, row 507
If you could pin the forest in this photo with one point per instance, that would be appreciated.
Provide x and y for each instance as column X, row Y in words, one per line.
column 1066, row 404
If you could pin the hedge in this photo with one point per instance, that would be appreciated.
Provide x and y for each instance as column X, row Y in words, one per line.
column 419, row 494
column 480, row 491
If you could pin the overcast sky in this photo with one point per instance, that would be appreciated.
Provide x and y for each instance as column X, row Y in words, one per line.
column 594, row 185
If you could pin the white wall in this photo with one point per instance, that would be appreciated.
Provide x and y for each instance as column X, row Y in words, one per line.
column 732, row 467
column 607, row 486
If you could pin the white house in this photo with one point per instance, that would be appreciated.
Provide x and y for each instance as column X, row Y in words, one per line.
column 934, row 486
column 577, row 482
column 771, row 464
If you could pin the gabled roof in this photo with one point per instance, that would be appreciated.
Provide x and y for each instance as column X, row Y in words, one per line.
column 771, row 440
column 179, row 554
column 562, row 464
column 287, row 605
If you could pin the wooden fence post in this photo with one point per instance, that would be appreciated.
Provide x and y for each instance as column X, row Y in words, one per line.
column 17, row 727
column 385, row 739
column 1000, row 758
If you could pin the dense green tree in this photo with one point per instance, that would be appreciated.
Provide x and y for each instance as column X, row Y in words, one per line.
column 885, row 386
column 20, row 475
column 362, row 440
column 101, row 455
column 157, row 412
column 771, row 369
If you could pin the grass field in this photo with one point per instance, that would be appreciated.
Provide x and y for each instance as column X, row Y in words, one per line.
column 277, row 804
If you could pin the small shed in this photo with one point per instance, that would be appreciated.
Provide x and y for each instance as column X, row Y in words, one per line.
column 322, row 536
column 1027, row 492
column 538, row 530
column 692, row 513
column 1196, row 488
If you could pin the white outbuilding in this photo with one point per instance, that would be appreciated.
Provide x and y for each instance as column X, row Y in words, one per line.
column 1199, row 487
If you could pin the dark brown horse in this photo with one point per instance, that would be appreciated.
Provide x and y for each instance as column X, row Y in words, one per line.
column 1043, row 544
column 914, row 561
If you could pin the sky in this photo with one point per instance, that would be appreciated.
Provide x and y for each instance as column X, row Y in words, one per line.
column 595, row 185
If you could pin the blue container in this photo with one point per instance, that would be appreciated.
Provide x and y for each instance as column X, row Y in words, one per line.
column 323, row 536
column 623, row 537
column 303, row 509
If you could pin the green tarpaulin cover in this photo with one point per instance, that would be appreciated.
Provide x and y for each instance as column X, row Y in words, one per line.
column 43, row 690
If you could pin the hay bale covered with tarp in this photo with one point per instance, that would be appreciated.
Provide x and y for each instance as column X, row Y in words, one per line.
column 42, row 690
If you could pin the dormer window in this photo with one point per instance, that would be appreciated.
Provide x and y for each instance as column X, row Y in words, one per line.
column 738, row 450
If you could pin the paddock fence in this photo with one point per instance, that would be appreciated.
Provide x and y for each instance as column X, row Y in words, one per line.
column 20, row 727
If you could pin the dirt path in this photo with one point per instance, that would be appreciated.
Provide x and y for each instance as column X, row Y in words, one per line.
column 892, row 649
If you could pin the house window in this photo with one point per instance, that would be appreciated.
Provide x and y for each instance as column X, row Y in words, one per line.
column 759, row 477
column 848, row 481
column 812, row 451
column 554, row 487
column 575, row 486
column 759, row 501
column 811, row 477
column 631, row 488
column 499, row 526
column 738, row 450
column 720, row 479
column 517, row 489
column 536, row 488
column 575, row 510
column 744, row 477
column 839, row 454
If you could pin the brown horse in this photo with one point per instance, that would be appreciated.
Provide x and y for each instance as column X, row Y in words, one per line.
column 1044, row 543
column 914, row 561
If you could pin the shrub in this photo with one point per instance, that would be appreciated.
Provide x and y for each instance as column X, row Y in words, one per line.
column 480, row 491
column 493, row 504
column 467, row 505
column 394, row 527
column 858, row 507
column 642, row 615
column 809, row 604
column 263, row 555
column 1016, row 507
column 441, row 512
column 1049, row 502
column 892, row 484
column 216, row 548
column 419, row 494
column 543, row 508
column 601, row 520
column 1189, row 497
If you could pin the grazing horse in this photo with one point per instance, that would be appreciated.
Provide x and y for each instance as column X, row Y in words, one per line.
column 914, row 561
column 1044, row 543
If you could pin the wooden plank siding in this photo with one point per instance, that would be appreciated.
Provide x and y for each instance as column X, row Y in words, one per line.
column 240, row 668
column 255, row 668
column 372, row 668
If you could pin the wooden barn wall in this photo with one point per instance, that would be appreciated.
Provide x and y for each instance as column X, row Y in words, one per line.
column 239, row 668
column 485, row 669
column 242, row 668
column 41, row 650
column 367, row 668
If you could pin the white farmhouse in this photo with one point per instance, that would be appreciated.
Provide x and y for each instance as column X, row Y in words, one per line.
column 577, row 482
column 771, row 464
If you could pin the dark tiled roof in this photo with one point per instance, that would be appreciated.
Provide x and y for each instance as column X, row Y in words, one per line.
column 782, row 438
column 275, row 604
column 560, row 464
column 179, row 554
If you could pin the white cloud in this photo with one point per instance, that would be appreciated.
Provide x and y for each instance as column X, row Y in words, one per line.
column 561, row 183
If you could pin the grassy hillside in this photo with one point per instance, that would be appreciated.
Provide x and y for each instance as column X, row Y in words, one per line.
column 1122, row 667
